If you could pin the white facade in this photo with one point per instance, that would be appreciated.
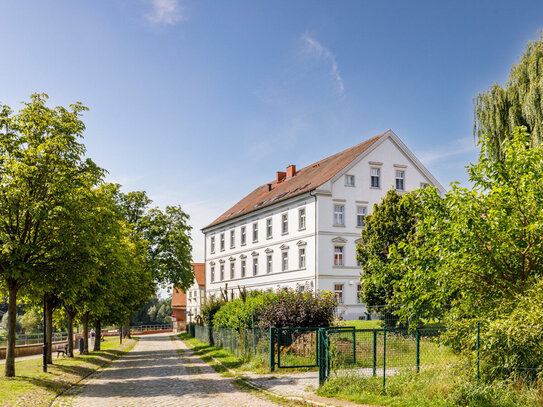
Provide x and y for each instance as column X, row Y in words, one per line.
column 195, row 297
column 317, row 252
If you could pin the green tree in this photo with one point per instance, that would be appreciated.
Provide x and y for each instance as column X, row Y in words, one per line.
column 391, row 222
column 42, row 171
column 484, row 247
column 499, row 110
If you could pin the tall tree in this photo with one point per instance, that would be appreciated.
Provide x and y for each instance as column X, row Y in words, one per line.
column 42, row 171
column 391, row 222
column 519, row 103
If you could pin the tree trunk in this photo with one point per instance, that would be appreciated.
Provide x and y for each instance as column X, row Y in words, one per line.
column 70, row 332
column 98, row 334
column 126, row 329
column 49, row 326
column 86, row 332
column 9, row 370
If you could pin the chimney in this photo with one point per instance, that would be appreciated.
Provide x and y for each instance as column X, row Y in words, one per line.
column 291, row 171
column 281, row 176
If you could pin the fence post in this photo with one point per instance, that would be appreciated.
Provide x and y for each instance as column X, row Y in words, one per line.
column 272, row 349
column 384, row 355
column 354, row 346
column 417, row 339
column 478, row 339
column 321, row 355
column 374, row 351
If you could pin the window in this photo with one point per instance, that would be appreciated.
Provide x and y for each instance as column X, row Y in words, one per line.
column 212, row 273
column 301, row 218
column 269, row 230
column 301, row 257
column 269, row 263
column 243, row 236
column 349, row 180
column 222, row 272
column 358, row 293
column 255, row 232
column 400, row 180
column 338, row 256
column 301, row 288
column 361, row 213
column 284, row 261
column 339, row 215
column 284, row 223
column 232, row 238
column 255, row 266
column 212, row 244
column 242, row 268
column 424, row 185
column 232, row 270
column 222, row 241
column 376, row 178
column 338, row 293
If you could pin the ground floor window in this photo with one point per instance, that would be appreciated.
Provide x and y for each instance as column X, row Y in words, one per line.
column 338, row 293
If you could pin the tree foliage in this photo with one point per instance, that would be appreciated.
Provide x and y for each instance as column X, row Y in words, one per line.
column 499, row 110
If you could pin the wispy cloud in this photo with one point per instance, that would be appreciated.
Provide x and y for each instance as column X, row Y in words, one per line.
column 461, row 146
column 315, row 48
column 168, row 12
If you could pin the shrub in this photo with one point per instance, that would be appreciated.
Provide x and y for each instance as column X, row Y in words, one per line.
column 209, row 308
column 290, row 308
column 238, row 314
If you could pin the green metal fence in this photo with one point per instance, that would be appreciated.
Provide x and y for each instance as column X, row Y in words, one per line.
column 245, row 343
column 380, row 352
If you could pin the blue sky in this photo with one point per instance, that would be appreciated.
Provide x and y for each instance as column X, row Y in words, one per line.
column 199, row 102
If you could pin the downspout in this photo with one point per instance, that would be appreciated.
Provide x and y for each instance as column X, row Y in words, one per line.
column 316, row 240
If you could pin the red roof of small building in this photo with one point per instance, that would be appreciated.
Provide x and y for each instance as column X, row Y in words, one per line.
column 304, row 180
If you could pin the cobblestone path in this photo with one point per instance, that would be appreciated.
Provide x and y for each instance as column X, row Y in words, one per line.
column 155, row 374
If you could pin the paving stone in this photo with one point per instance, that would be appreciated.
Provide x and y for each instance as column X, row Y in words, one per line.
column 155, row 374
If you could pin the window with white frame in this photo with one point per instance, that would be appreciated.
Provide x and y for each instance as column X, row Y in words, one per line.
column 284, row 261
column 301, row 288
column 222, row 272
column 339, row 215
column 301, row 218
column 361, row 212
column 424, row 185
column 338, row 293
column 349, row 180
column 301, row 257
column 375, row 178
column 269, row 263
column 255, row 266
column 255, row 232
column 232, row 238
column 269, row 230
column 232, row 270
column 284, row 223
column 400, row 180
column 212, row 244
column 212, row 272
column 338, row 255
column 243, row 234
column 222, row 241
column 243, row 264
column 358, row 293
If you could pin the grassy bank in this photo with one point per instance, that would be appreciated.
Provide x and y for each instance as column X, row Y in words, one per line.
column 32, row 387
column 433, row 387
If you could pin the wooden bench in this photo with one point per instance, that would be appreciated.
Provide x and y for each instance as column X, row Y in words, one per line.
column 63, row 350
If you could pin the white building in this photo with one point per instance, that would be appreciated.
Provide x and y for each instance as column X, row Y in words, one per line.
column 301, row 229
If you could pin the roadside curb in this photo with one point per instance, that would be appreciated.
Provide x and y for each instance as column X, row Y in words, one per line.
column 250, row 383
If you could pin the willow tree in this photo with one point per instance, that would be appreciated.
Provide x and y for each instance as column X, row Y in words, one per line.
column 499, row 110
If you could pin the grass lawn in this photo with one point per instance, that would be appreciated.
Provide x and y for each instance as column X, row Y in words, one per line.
column 32, row 387
column 371, row 324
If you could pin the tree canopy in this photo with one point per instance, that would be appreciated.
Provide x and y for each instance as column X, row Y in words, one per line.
column 499, row 110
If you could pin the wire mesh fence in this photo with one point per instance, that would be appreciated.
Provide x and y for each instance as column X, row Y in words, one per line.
column 244, row 343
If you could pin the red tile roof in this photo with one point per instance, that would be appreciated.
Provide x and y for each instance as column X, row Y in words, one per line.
column 306, row 179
